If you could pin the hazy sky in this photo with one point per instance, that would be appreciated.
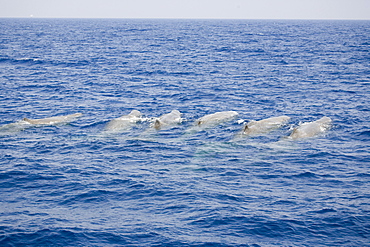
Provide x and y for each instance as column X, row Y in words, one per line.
column 231, row 9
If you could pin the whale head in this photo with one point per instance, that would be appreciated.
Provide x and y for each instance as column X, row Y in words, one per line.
column 324, row 121
column 176, row 112
column 135, row 113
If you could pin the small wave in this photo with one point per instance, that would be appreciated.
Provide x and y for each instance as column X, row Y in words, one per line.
column 364, row 135
column 4, row 60
column 12, row 174
column 161, row 73
column 284, row 202
column 363, row 175
column 252, row 226
column 136, row 30
column 304, row 175
column 38, row 238
column 25, row 60
column 324, row 211
column 76, row 237
column 38, row 61
column 92, row 196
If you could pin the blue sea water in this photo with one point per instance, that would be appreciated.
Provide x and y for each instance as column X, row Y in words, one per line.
column 71, row 185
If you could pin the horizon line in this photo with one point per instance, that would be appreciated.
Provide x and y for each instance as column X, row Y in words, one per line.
column 187, row 18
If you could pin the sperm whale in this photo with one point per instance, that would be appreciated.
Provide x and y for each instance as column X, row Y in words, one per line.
column 53, row 120
column 124, row 122
column 216, row 118
column 265, row 125
column 166, row 120
column 311, row 129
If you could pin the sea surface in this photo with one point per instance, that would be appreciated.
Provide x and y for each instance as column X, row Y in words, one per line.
column 74, row 184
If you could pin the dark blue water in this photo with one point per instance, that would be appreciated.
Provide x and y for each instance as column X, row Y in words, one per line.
column 69, row 185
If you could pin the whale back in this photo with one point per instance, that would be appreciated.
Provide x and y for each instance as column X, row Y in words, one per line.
column 53, row 120
column 311, row 129
column 216, row 118
column 124, row 122
column 173, row 117
column 265, row 125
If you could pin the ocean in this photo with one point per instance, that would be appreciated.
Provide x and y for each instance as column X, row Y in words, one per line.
column 76, row 184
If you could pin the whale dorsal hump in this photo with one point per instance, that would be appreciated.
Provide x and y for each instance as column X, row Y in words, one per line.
column 27, row 120
column 157, row 124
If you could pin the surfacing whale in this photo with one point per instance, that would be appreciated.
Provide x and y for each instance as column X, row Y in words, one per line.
column 166, row 120
column 311, row 129
column 53, row 120
column 26, row 123
column 124, row 122
column 211, row 120
column 265, row 125
column 216, row 118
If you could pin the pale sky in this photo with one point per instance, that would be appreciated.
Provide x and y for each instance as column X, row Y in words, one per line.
column 208, row 9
